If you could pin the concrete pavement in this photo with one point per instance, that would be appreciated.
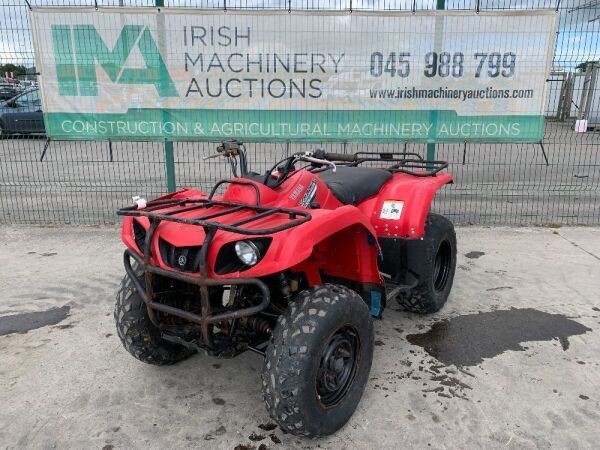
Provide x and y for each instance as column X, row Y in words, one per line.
column 512, row 361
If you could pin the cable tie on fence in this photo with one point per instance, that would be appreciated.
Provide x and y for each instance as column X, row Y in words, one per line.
column 28, row 4
column 350, row 6
column 558, row 5
column 289, row 6
column 225, row 5
column 96, row 4
column 477, row 7
column 414, row 6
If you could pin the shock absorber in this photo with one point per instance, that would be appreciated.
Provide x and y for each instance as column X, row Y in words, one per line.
column 286, row 290
column 259, row 324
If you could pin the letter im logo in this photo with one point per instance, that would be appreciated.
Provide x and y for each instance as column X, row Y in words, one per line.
column 78, row 49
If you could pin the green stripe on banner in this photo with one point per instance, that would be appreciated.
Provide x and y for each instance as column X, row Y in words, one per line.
column 297, row 126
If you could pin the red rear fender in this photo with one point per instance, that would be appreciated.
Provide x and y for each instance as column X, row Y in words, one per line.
column 409, row 199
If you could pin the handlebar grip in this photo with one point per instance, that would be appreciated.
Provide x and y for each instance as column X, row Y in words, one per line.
column 340, row 157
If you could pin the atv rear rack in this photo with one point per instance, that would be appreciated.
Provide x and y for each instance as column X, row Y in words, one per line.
column 167, row 210
column 405, row 162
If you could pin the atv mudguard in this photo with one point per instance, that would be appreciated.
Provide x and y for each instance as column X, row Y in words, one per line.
column 338, row 246
column 416, row 195
column 340, row 243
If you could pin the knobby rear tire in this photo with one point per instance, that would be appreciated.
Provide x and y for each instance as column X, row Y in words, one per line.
column 434, row 280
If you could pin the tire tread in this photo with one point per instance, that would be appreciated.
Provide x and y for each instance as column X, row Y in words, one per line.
column 138, row 334
column 421, row 299
column 288, row 354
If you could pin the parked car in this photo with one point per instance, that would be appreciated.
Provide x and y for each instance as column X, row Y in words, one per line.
column 7, row 92
column 22, row 114
column 25, row 85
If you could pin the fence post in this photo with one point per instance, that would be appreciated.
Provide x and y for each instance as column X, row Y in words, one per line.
column 169, row 158
column 440, row 4
column 170, row 167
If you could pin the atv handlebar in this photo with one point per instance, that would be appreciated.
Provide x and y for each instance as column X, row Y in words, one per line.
column 322, row 154
column 232, row 149
column 318, row 162
column 340, row 157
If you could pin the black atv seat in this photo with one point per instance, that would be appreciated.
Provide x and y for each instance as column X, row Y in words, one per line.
column 351, row 185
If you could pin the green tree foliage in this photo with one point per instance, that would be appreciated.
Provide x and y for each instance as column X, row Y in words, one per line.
column 16, row 69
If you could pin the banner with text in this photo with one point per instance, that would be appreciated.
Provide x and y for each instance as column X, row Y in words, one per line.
column 189, row 74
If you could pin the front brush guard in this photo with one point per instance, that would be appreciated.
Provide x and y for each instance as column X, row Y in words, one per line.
column 206, row 318
column 168, row 210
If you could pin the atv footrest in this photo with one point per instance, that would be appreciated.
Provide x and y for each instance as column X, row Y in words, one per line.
column 392, row 288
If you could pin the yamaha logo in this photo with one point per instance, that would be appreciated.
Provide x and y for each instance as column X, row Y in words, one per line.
column 182, row 260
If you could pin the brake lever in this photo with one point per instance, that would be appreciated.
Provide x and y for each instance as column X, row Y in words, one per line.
column 319, row 161
column 216, row 155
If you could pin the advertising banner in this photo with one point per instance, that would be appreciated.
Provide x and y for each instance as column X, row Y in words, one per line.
column 190, row 74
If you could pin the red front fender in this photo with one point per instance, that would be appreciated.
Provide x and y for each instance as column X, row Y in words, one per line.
column 336, row 241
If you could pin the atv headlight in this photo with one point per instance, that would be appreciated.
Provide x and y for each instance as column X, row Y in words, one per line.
column 247, row 252
column 237, row 256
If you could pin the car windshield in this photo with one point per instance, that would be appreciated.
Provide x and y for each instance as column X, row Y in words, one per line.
column 31, row 98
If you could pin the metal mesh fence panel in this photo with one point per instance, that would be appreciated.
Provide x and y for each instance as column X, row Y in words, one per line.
column 556, row 181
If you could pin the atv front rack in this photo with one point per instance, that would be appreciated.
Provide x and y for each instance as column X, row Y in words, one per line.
column 168, row 210
column 405, row 162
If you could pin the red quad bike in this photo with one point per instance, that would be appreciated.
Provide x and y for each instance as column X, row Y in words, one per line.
column 292, row 265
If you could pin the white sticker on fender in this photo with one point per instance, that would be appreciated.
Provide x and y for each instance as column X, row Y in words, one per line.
column 392, row 209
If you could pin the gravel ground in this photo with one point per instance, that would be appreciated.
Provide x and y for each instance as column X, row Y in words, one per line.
column 512, row 361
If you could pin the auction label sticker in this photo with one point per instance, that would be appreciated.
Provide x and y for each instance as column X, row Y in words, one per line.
column 209, row 75
column 392, row 209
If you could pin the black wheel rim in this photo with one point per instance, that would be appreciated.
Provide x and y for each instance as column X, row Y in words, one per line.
column 338, row 365
column 441, row 267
